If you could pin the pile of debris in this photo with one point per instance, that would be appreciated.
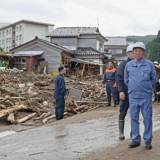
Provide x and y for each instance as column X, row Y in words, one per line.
column 26, row 97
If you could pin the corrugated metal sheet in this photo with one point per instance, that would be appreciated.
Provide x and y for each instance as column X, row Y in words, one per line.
column 28, row 53
column 86, row 61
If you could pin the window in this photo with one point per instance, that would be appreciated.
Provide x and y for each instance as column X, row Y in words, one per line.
column 16, row 38
column 20, row 28
column 16, row 28
column 20, row 37
column 98, row 43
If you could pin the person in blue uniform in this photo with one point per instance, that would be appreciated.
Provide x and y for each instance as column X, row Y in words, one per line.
column 140, row 77
column 60, row 93
column 123, row 92
column 109, row 80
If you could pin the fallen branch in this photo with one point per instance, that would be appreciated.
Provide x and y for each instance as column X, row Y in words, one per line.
column 51, row 117
column 6, row 112
column 44, row 121
column 5, row 98
column 92, row 102
column 26, row 118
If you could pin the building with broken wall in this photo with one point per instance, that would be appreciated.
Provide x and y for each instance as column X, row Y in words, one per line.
column 87, row 43
column 78, row 48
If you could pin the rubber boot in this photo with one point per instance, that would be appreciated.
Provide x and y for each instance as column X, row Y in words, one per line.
column 109, row 104
column 121, row 130
column 116, row 103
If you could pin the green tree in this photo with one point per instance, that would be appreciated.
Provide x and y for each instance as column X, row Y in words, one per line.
column 1, row 50
column 153, row 48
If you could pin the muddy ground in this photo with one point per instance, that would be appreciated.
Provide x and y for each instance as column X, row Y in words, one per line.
column 88, row 136
column 121, row 152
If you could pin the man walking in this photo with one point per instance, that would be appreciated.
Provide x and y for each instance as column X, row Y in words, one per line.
column 140, row 77
column 123, row 92
column 60, row 93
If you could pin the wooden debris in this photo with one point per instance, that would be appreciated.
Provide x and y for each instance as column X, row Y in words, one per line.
column 11, row 118
column 22, row 120
column 51, row 117
column 6, row 112
column 91, row 102
column 48, row 118
column 31, row 96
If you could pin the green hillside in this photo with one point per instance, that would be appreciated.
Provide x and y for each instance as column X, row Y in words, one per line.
column 145, row 39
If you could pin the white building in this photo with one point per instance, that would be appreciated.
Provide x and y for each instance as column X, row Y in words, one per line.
column 21, row 32
column 4, row 24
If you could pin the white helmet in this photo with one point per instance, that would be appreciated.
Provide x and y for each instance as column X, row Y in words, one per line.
column 155, row 62
column 129, row 48
column 139, row 45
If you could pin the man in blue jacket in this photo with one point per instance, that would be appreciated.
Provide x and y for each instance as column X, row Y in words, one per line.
column 60, row 93
column 123, row 92
column 140, row 77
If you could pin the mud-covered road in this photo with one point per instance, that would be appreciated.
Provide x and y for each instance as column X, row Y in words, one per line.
column 92, row 135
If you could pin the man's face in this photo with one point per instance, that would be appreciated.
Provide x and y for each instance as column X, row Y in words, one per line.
column 110, row 64
column 138, row 53
column 63, row 72
column 130, row 55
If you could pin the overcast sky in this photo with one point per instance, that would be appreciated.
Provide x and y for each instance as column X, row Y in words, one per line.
column 116, row 17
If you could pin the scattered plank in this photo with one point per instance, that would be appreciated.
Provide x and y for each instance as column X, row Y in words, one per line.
column 11, row 118
column 22, row 120
column 6, row 112
column 44, row 121
column 91, row 102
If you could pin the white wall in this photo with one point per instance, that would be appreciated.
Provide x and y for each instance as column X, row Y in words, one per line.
column 32, row 30
column 6, row 38
column 24, row 32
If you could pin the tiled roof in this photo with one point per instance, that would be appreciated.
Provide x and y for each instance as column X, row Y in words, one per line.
column 87, row 51
column 74, row 31
column 43, row 41
column 116, row 41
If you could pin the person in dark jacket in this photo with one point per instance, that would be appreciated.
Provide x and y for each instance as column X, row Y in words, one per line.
column 123, row 92
column 60, row 93
column 109, row 80
column 157, row 91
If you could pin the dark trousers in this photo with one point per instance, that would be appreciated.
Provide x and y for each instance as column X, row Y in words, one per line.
column 124, row 105
column 111, row 91
column 59, row 110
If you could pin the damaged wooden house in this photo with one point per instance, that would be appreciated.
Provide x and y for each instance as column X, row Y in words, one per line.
column 80, row 49
column 40, row 56
column 87, row 44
